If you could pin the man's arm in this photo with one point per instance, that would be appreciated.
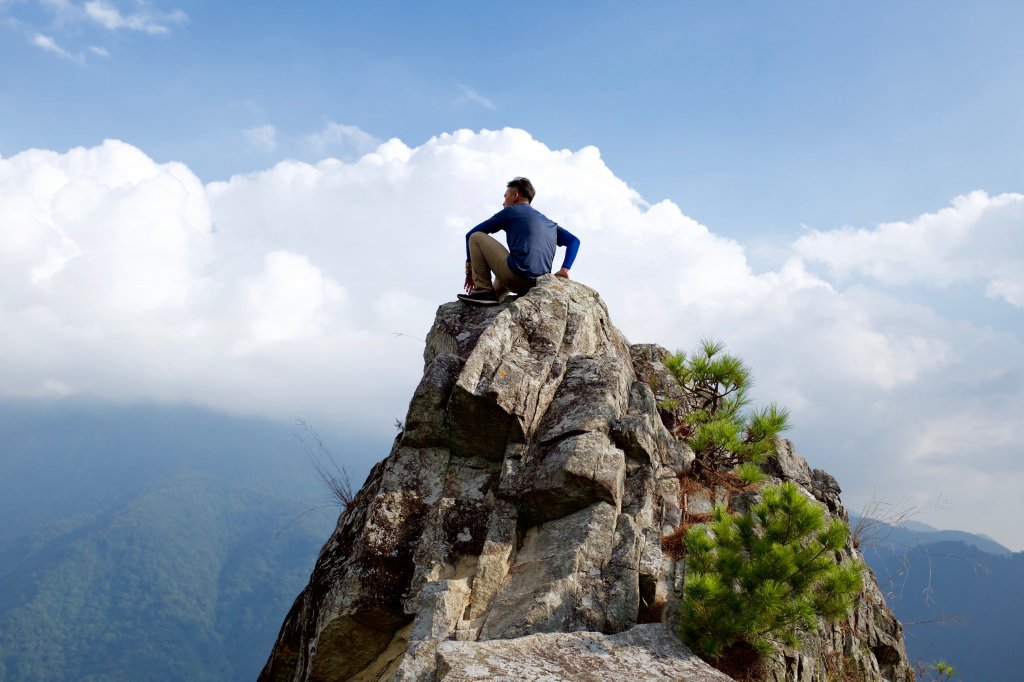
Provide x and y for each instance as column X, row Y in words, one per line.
column 572, row 245
column 493, row 224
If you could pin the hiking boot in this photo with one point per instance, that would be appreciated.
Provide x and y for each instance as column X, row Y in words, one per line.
column 480, row 298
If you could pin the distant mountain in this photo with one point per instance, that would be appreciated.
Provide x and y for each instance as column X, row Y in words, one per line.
column 959, row 595
column 149, row 543
column 914, row 533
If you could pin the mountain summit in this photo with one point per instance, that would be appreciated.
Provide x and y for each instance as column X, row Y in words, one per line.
column 526, row 523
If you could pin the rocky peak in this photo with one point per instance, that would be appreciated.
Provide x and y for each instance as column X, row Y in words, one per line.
column 521, row 526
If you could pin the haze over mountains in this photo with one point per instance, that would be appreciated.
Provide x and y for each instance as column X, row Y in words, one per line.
column 149, row 543
column 167, row 543
column 960, row 596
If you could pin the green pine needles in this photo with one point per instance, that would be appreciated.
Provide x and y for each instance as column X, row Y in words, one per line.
column 718, row 428
column 765, row 576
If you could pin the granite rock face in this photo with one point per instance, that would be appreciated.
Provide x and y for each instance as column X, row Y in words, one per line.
column 579, row 656
column 535, row 489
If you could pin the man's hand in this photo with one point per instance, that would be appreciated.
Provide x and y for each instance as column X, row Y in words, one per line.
column 564, row 272
column 468, row 285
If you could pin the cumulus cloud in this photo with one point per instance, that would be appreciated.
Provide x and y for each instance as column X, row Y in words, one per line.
column 289, row 299
column 281, row 292
column 105, row 233
column 977, row 238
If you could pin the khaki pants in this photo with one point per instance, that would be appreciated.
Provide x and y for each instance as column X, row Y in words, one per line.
column 487, row 255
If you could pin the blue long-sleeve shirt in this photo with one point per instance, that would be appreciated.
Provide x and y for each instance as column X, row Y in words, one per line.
column 532, row 239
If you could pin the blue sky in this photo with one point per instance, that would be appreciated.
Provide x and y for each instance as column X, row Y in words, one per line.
column 834, row 189
column 757, row 117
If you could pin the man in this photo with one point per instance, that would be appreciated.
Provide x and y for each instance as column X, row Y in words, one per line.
column 532, row 240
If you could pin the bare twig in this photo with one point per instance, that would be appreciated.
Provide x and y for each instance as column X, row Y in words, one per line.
column 286, row 526
column 878, row 519
column 948, row 619
column 876, row 524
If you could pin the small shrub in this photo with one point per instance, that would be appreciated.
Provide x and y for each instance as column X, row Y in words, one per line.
column 721, row 432
column 750, row 473
column 940, row 671
column 763, row 577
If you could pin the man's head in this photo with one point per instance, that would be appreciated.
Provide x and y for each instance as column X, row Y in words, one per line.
column 519, row 190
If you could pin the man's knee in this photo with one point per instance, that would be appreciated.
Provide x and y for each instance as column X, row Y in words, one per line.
column 478, row 237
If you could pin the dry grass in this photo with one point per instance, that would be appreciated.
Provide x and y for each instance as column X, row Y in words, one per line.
column 334, row 476
column 674, row 544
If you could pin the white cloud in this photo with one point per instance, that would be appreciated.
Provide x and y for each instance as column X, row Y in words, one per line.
column 102, row 233
column 340, row 139
column 977, row 238
column 289, row 299
column 145, row 21
column 372, row 227
column 50, row 45
column 966, row 433
column 469, row 95
column 69, row 19
column 263, row 137
column 117, row 284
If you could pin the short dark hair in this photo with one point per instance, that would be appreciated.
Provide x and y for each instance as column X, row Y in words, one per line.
column 524, row 187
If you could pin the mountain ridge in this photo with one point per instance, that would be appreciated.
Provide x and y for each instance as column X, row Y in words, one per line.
column 914, row 533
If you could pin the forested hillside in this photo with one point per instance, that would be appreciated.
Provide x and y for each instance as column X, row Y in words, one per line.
column 958, row 603
column 149, row 543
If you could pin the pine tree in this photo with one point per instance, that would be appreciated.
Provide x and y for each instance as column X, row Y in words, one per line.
column 718, row 429
column 765, row 576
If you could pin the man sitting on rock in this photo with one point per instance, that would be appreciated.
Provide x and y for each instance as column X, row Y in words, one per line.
column 532, row 239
